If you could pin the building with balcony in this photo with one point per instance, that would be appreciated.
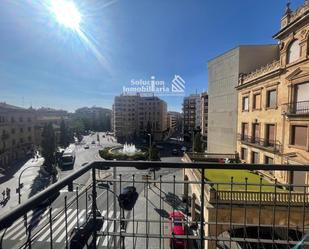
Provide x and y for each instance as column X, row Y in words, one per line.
column 17, row 133
column 204, row 114
column 223, row 74
column 273, row 102
column 134, row 115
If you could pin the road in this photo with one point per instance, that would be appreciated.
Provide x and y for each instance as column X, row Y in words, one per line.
column 76, row 212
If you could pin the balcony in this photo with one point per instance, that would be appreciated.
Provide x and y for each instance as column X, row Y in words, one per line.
column 236, row 212
column 273, row 146
column 300, row 108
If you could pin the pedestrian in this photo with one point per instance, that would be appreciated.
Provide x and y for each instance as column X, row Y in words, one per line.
column 3, row 195
column 8, row 193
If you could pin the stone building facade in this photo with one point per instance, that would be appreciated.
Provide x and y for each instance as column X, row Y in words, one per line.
column 273, row 102
column 17, row 133
column 133, row 115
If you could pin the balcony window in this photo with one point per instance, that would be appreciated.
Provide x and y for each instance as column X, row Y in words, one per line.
column 270, row 135
column 293, row 52
column 255, row 132
column 255, row 157
column 245, row 103
column 268, row 160
column 244, row 154
column 299, row 135
column 257, row 101
column 301, row 98
column 271, row 101
column 244, row 131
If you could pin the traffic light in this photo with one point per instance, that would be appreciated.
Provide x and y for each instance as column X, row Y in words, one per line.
column 127, row 198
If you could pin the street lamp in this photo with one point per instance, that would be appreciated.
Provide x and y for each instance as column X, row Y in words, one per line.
column 20, row 185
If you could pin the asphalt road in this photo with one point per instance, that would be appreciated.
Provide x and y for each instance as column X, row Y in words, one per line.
column 76, row 212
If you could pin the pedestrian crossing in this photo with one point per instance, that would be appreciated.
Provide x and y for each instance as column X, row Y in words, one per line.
column 39, row 220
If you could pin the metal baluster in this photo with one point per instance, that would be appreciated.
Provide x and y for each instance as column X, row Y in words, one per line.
column 77, row 207
column 304, row 210
column 147, row 213
column 160, row 225
column 173, row 207
column 260, row 206
column 216, row 233
column 231, row 209
column 133, row 179
column 66, row 222
column 86, row 200
column 246, row 197
column 289, row 215
column 274, row 216
column 50, row 228
column 202, row 208
column 94, row 209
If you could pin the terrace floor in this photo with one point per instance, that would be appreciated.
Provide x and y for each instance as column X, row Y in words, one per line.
column 239, row 176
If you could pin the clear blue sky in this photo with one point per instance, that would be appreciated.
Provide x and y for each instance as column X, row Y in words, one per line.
column 45, row 64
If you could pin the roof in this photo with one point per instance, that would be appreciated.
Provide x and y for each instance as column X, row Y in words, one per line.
column 12, row 107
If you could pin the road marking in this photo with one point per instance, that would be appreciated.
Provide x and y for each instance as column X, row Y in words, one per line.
column 54, row 225
column 102, row 228
column 70, row 226
column 111, row 229
column 45, row 217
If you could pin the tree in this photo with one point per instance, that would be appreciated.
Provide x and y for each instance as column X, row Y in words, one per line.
column 48, row 145
column 63, row 134
column 198, row 142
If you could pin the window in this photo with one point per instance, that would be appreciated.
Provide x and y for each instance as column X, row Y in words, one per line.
column 254, row 157
column 301, row 98
column 255, row 133
column 268, row 160
column 244, row 131
column 257, row 101
column 13, row 131
column 245, row 103
column 21, row 129
column 293, row 52
column 243, row 153
column 271, row 98
column 270, row 135
column 299, row 135
column 29, row 129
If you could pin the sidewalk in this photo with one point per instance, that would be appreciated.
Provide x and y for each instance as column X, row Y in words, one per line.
column 27, row 179
column 170, row 201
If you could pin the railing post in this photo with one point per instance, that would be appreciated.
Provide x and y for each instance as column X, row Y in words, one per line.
column 94, row 208
column 202, row 208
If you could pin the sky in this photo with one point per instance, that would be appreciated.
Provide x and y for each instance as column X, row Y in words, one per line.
column 43, row 63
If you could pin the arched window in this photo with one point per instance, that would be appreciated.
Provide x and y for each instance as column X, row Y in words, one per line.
column 293, row 52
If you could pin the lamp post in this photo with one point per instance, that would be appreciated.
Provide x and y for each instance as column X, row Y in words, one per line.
column 20, row 185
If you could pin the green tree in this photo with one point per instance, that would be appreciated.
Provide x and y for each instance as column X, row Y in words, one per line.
column 198, row 146
column 48, row 145
column 63, row 134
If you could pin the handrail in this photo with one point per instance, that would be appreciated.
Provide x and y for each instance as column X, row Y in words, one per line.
column 8, row 219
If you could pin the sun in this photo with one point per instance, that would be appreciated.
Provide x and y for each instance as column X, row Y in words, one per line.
column 66, row 13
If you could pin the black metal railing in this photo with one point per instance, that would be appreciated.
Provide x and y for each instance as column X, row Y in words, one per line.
column 268, row 144
column 212, row 207
column 297, row 108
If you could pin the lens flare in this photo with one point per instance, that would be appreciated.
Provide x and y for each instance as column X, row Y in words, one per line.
column 66, row 13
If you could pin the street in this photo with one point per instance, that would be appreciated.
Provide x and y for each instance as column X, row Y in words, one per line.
column 39, row 219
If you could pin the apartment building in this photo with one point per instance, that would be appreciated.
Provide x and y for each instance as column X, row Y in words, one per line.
column 134, row 115
column 17, row 133
column 192, row 113
column 273, row 102
column 174, row 121
column 204, row 114
column 223, row 74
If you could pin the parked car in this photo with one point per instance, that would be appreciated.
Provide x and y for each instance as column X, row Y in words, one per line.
column 80, row 235
column 177, row 227
column 93, row 142
column 86, row 146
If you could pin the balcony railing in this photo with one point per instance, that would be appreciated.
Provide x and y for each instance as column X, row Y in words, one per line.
column 266, row 144
column 297, row 108
column 214, row 214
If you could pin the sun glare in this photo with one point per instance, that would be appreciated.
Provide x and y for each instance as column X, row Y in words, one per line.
column 66, row 13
